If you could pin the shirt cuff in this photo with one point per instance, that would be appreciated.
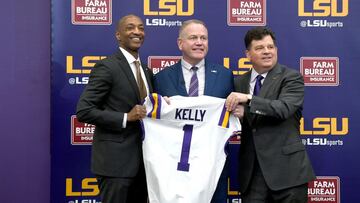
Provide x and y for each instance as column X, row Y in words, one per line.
column 124, row 120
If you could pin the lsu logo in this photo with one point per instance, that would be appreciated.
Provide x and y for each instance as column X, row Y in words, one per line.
column 324, row 8
column 326, row 126
column 87, row 62
column 88, row 187
column 244, row 65
column 231, row 192
column 169, row 8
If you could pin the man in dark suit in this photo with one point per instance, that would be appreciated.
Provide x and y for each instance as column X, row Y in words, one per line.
column 211, row 79
column 112, row 101
column 274, row 166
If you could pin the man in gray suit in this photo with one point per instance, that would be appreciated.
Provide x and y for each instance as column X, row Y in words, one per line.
column 112, row 101
column 274, row 166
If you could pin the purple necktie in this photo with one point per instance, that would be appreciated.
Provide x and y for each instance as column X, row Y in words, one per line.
column 194, row 84
column 258, row 85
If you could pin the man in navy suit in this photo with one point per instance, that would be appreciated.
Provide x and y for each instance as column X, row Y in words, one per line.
column 212, row 79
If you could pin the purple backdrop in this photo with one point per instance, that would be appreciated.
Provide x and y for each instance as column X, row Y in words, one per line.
column 25, row 101
column 321, row 41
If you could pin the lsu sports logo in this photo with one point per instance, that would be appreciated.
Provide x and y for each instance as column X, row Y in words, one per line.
column 323, row 8
column 169, row 7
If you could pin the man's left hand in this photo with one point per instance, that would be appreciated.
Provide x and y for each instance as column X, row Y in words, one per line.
column 239, row 111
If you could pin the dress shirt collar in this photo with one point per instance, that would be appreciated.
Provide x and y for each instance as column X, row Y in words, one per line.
column 254, row 74
column 188, row 66
column 130, row 58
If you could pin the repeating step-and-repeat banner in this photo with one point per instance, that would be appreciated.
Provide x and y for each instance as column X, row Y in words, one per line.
column 319, row 38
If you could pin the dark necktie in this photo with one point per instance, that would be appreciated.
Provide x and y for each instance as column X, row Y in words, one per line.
column 194, row 84
column 258, row 85
column 140, row 81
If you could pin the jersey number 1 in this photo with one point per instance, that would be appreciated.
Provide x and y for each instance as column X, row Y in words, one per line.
column 184, row 165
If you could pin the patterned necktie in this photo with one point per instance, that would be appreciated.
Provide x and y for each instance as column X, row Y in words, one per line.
column 194, row 84
column 140, row 81
column 258, row 85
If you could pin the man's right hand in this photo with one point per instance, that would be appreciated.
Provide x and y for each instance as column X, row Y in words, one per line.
column 167, row 100
column 234, row 99
column 137, row 112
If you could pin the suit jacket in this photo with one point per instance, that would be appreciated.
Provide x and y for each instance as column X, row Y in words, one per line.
column 218, row 81
column 112, row 91
column 271, row 130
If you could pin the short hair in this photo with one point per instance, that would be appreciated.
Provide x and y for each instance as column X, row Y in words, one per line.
column 123, row 19
column 258, row 33
column 188, row 22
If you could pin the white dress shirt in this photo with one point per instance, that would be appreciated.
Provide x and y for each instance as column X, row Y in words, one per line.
column 131, row 59
column 187, row 73
column 254, row 74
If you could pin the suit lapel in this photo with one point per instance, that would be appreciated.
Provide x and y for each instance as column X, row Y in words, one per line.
column 244, row 87
column 271, row 79
column 245, row 83
column 210, row 78
column 148, row 77
column 124, row 65
column 178, row 78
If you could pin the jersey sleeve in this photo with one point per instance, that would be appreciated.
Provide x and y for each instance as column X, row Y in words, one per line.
column 153, row 104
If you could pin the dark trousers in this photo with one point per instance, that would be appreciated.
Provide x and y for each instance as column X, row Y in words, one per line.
column 220, row 194
column 123, row 190
column 259, row 192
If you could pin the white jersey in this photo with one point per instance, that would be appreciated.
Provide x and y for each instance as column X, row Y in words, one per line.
column 184, row 147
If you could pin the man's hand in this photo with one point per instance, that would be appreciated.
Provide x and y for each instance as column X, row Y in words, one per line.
column 167, row 100
column 239, row 111
column 234, row 99
column 137, row 112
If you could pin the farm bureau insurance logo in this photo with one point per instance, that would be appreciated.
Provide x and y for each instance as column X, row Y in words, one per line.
column 159, row 8
column 81, row 133
column 236, row 138
column 315, row 11
column 325, row 189
column 91, row 12
column 246, row 12
column 320, row 71
column 158, row 63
